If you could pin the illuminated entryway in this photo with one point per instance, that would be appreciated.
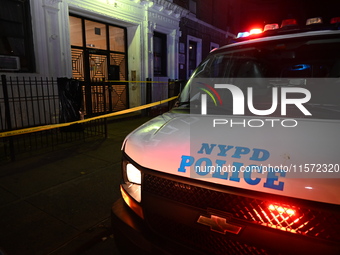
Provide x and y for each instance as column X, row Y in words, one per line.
column 99, row 56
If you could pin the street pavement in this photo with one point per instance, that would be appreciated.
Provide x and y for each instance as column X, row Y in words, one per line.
column 59, row 203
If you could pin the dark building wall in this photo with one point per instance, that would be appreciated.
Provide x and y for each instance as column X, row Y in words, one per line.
column 223, row 14
column 222, row 19
column 208, row 35
column 189, row 27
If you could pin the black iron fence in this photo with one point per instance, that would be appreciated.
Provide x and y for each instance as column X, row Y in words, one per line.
column 28, row 102
column 43, row 141
column 32, row 102
column 156, row 91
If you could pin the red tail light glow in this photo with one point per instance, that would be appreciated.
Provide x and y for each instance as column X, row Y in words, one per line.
column 282, row 217
column 281, row 210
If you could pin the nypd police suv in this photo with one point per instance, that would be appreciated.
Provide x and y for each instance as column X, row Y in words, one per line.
column 247, row 162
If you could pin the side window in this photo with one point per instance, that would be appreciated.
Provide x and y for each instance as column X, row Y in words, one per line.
column 16, row 47
column 218, row 67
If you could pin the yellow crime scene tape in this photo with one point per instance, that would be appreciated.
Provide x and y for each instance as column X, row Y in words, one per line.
column 47, row 127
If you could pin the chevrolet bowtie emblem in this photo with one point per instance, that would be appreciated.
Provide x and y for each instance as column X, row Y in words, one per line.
column 219, row 224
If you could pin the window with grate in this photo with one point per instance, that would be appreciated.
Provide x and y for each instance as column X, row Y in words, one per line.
column 16, row 44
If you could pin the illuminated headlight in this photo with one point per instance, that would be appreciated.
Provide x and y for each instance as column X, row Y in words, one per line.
column 131, row 188
column 133, row 174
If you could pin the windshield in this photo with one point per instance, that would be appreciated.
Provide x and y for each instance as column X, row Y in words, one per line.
column 267, row 73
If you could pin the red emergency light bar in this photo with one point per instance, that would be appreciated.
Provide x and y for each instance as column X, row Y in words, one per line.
column 271, row 27
column 256, row 31
column 288, row 22
column 285, row 24
column 335, row 20
column 312, row 21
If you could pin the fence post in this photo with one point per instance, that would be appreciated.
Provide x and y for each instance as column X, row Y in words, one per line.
column 105, row 128
column 170, row 92
column 8, row 116
column 148, row 91
column 175, row 88
column 148, row 94
column 88, row 98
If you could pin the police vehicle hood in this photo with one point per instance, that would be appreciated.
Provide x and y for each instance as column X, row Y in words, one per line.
column 299, row 161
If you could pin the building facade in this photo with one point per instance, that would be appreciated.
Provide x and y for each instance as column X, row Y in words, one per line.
column 125, row 40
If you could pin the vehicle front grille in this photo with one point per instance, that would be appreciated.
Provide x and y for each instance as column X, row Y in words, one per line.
column 291, row 218
column 204, row 241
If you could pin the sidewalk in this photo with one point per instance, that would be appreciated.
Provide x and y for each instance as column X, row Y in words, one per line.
column 60, row 202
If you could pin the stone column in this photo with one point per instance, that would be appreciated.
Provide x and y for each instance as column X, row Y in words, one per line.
column 52, row 26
